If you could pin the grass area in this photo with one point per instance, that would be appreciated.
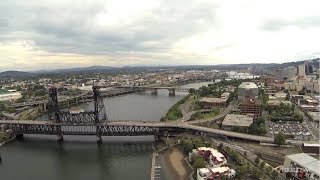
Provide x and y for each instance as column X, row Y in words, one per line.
column 4, row 137
column 205, row 115
column 174, row 113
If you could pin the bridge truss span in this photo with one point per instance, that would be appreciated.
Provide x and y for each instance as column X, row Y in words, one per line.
column 104, row 130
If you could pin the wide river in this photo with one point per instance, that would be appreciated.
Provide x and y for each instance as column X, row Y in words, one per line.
column 80, row 157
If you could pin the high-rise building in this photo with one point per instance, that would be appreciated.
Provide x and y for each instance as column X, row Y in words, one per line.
column 291, row 73
column 277, row 75
column 306, row 66
column 301, row 70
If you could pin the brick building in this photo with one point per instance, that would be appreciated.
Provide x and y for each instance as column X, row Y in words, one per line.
column 251, row 106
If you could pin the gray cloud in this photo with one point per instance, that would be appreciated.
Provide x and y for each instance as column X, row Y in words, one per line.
column 70, row 29
column 278, row 24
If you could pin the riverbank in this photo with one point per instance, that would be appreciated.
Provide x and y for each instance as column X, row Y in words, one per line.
column 174, row 162
column 4, row 138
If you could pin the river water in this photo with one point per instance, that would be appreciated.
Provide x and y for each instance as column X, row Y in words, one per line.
column 40, row 157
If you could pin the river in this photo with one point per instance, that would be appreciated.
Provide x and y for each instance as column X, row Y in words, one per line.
column 40, row 157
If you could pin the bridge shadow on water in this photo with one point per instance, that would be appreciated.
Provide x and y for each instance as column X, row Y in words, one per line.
column 78, row 157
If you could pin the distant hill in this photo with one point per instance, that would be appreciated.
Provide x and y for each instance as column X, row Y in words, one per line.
column 269, row 66
column 15, row 74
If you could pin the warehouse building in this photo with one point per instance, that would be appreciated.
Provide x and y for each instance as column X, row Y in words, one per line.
column 302, row 166
column 236, row 121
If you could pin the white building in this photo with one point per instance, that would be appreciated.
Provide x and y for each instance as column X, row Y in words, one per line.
column 215, row 173
column 302, row 166
column 212, row 156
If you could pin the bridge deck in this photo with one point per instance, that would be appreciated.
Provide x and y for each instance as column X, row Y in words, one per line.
column 160, row 125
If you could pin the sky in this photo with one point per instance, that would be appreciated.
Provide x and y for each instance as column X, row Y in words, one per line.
column 53, row 34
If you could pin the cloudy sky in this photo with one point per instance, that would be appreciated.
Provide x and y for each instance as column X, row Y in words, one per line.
column 51, row 34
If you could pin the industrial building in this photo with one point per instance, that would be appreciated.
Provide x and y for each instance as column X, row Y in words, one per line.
column 302, row 166
column 251, row 106
column 247, row 89
column 209, row 103
column 241, row 122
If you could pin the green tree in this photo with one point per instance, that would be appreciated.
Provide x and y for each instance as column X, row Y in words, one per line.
column 269, row 169
column 262, row 164
column 198, row 142
column 280, row 139
column 187, row 145
column 192, row 90
column 199, row 162
column 241, row 172
column 256, row 172
column 274, row 174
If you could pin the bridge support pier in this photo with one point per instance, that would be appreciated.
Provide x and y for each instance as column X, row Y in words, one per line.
column 77, row 101
column 154, row 91
column 172, row 92
column 44, row 107
column 99, row 139
column 60, row 138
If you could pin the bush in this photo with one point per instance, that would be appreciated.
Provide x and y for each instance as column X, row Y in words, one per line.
column 269, row 169
column 279, row 139
column 241, row 172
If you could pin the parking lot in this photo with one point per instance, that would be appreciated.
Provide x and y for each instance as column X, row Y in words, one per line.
column 293, row 130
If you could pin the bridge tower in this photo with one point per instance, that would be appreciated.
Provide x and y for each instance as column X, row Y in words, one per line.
column 54, row 113
column 99, row 111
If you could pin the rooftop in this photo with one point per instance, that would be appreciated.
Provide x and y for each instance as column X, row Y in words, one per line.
column 308, row 162
column 248, row 85
column 278, row 102
column 213, row 100
column 237, row 120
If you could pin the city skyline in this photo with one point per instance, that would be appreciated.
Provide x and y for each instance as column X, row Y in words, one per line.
column 61, row 34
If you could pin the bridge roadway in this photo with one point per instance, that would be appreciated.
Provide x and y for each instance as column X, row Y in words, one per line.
column 160, row 125
column 156, row 87
column 85, row 95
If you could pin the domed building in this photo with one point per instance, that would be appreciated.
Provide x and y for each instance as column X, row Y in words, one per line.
column 247, row 89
